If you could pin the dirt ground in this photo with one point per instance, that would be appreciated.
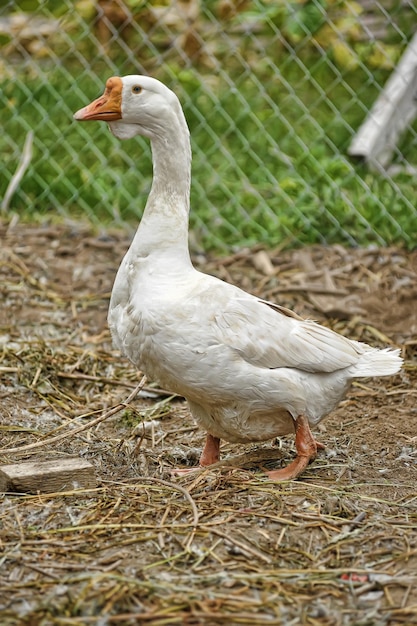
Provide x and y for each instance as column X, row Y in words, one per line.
column 224, row 545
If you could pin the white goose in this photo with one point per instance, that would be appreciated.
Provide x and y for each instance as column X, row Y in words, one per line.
column 250, row 369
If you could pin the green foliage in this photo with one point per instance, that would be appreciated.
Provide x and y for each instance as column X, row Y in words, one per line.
column 304, row 19
column 332, row 25
column 270, row 159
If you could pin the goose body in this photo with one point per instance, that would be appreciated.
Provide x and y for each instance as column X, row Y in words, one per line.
column 250, row 369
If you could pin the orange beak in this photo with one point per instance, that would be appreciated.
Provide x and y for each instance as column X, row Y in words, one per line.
column 108, row 107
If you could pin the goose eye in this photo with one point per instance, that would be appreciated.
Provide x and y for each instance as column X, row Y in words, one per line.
column 136, row 89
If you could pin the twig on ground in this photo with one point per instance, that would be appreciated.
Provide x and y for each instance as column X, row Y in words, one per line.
column 76, row 431
column 20, row 172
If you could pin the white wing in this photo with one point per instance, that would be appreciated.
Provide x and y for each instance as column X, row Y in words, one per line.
column 270, row 336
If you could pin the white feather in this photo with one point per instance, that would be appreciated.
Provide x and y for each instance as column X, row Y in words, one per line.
column 248, row 367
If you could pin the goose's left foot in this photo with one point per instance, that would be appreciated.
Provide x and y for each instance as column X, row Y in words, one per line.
column 209, row 456
column 306, row 447
column 211, row 451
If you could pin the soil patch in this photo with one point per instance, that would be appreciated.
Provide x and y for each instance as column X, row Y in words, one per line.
column 224, row 545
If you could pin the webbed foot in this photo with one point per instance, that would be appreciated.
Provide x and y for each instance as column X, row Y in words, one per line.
column 306, row 447
column 209, row 456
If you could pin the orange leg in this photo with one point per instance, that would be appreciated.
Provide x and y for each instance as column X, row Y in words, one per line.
column 209, row 455
column 211, row 451
column 306, row 447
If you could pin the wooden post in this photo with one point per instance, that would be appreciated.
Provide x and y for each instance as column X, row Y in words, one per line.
column 392, row 112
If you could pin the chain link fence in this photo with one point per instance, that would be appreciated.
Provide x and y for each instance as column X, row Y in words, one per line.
column 273, row 91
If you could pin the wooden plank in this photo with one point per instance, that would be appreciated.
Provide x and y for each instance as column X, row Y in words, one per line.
column 392, row 112
column 65, row 474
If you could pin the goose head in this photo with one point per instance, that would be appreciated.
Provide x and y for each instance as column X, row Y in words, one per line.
column 134, row 105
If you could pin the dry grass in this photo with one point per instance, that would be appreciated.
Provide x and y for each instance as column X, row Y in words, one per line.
column 223, row 545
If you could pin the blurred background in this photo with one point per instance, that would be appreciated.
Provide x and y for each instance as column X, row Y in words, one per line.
column 274, row 93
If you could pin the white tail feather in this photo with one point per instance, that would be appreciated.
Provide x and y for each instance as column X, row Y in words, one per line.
column 378, row 363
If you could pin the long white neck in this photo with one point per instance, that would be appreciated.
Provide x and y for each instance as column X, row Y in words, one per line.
column 163, row 229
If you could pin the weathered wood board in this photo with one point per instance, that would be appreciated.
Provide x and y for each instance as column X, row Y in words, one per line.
column 393, row 111
column 65, row 474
